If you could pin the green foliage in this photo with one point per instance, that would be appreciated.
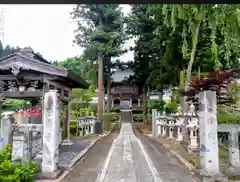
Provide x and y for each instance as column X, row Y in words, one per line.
column 138, row 117
column 228, row 115
column 13, row 171
column 171, row 107
column 157, row 104
column 108, row 118
column 117, row 110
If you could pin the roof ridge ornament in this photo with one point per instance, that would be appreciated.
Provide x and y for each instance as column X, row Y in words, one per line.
column 15, row 69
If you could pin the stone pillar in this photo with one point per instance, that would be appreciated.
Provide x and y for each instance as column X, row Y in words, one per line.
column 139, row 102
column 208, row 133
column 233, row 151
column 50, row 135
column 171, row 129
column 193, row 140
column 6, row 132
column 154, row 116
column 67, row 140
column 112, row 104
column 179, row 134
column 158, row 125
column 130, row 102
column 164, row 130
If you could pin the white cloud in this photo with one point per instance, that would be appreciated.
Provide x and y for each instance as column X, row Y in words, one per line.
column 45, row 28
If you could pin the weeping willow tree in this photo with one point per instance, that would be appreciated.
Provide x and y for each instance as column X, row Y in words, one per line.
column 221, row 20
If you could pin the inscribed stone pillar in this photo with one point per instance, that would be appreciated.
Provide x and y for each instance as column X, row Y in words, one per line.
column 208, row 132
column 51, row 118
column 154, row 116
column 233, row 149
column 6, row 132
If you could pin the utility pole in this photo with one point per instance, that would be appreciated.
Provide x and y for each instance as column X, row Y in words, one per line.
column 2, row 25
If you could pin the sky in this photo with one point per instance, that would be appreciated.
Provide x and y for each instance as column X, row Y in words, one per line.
column 47, row 29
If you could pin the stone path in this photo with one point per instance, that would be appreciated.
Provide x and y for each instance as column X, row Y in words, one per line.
column 127, row 160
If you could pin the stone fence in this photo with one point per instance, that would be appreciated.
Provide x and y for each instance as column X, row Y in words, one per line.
column 199, row 130
column 85, row 125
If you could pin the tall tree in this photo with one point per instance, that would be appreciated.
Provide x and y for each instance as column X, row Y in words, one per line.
column 101, row 34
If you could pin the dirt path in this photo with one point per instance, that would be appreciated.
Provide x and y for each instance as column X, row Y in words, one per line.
column 87, row 169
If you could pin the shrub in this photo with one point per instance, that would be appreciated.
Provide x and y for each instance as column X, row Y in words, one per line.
column 137, row 111
column 156, row 104
column 117, row 110
column 171, row 107
column 138, row 117
column 14, row 171
column 229, row 117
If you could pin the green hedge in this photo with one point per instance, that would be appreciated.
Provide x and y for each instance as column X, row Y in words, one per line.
column 117, row 110
column 13, row 171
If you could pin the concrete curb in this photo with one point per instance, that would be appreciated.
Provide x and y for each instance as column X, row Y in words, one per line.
column 77, row 158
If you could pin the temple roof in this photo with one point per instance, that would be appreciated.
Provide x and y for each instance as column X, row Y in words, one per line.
column 120, row 76
column 26, row 59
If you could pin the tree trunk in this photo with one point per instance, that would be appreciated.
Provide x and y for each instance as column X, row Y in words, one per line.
column 145, row 105
column 98, row 125
column 190, row 64
column 109, row 102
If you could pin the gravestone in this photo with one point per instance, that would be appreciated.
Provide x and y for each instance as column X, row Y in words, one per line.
column 51, row 119
column 208, row 129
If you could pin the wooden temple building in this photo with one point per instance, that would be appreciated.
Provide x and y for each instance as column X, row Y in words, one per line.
column 124, row 94
column 26, row 75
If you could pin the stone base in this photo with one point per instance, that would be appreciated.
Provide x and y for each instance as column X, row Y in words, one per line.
column 193, row 149
column 233, row 171
column 67, row 142
column 212, row 177
column 49, row 176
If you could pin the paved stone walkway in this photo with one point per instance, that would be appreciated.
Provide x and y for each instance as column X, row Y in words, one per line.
column 127, row 160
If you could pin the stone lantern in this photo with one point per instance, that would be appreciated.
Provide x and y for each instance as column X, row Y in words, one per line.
column 164, row 126
column 193, row 127
column 160, row 122
column 180, row 124
column 171, row 125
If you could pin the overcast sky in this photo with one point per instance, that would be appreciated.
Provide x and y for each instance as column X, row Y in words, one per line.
column 45, row 28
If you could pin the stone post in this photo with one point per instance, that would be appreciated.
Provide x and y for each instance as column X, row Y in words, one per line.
column 130, row 102
column 193, row 140
column 179, row 134
column 67, row 140
column 112, row 104
column 50, row 132
column 139, row 103
column 208, row 133
column 154, row 116
column 158, row 125
column 6, row 132
column 233, row 151
column 171, row 125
